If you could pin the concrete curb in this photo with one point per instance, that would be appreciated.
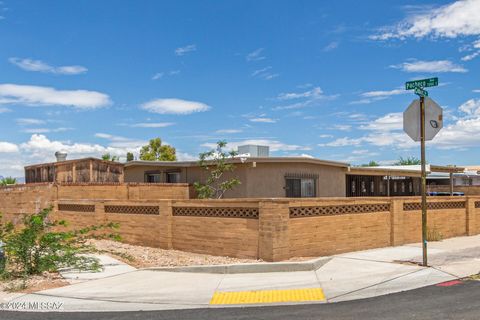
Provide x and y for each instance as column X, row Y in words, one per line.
column 310, row 265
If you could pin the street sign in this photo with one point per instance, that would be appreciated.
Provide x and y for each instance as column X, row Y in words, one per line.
column 424, row 83
column 433, row 119
column 421, row 93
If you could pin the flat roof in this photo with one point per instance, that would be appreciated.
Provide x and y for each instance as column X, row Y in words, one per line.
column 241, row 160
column 71, row 161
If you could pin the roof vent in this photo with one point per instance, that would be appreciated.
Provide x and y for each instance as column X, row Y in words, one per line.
column 255, row 151
column 61, row 156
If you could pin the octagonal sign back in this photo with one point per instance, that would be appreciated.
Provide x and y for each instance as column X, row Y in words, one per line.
column 433, row 119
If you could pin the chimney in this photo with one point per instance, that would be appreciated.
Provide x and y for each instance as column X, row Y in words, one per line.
column 61, row 156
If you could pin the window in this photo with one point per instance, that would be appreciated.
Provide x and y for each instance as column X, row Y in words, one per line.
column 153, row 177
column 300, row 187
column 173, row 177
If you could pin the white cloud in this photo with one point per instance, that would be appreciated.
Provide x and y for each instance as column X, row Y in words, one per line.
column 471, row 107
column 476, row 90
column 389, row 122
column 373, row 96
column 379, row 93
column 386, row 131
column 152, row 124
column 174, row 106
column 40, row 66
column 7, row 147
column 184, row 50
column 459, row 18
column 313, row 93
column 227, row 131
column 46, row 130
column 157, row 76
column 471, row 56
column 160, row 75
column 264, row 73
column 342, row 127
column 430, row 66
column 255, row 55
column 121, row 142
column 325, row 136
column 273, row 144
column 264, row 120
column 307, row 98
column 29, row 121
column 41, row 149
column 331, row 46
column 47, row 96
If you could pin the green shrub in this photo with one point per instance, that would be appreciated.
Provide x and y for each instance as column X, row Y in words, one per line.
column 40, row 245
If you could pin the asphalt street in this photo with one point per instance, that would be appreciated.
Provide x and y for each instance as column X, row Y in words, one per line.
column 460, row 301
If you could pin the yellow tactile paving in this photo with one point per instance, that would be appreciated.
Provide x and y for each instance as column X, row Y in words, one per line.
column 268, row 296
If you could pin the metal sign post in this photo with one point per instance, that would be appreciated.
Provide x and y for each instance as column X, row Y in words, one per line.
column 414, row 124
column 424, row 180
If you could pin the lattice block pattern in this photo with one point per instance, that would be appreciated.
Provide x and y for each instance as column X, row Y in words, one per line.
column 152, row 210
column 477, row 204
column 412, row 206
column 298, row 212
column 76, row 207
column 248, row 213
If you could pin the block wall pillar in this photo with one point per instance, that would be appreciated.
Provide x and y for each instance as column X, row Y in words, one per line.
column 273, row 237
column 397, row 222
column 471, row 212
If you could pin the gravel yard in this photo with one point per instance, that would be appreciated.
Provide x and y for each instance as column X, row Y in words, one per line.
column 34, row 283
column 143, row 257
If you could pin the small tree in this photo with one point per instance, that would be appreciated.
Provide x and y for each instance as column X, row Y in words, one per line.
column 38, row 246
column 129, row 156
column 7, row 181
column 109, row 157
column 408, row 161
column 370, row 164
column 216, row 163
column 155, row 151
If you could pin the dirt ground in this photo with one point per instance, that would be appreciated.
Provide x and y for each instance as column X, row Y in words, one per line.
column 35, row 283
column 144, row 257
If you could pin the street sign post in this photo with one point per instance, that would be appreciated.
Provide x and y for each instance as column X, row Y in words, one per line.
column 424, row 83
column 422, row 120
column 421, row 93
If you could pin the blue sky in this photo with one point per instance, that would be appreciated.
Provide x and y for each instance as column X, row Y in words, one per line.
column 312, row 78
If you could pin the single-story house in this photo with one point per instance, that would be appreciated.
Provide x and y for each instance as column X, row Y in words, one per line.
column 261, row 176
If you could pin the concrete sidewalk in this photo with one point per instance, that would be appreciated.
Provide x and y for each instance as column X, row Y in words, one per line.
column 339, row 278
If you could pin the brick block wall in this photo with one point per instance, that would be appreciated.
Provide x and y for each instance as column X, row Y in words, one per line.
column 325, row 227
column 216, row 227
column 270, row 229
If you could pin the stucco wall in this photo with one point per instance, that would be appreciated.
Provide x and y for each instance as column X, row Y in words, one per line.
column 264, row 180
column 268, row 179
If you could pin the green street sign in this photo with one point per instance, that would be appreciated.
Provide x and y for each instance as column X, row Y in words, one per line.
column 431, row 82
column 421, row 93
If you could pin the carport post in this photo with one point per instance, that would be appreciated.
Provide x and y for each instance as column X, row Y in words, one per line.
column 451, row 183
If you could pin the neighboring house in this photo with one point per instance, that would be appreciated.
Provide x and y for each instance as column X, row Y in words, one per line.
column 87, row 170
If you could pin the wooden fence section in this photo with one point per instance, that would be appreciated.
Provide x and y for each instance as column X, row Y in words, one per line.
column 276, row 229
